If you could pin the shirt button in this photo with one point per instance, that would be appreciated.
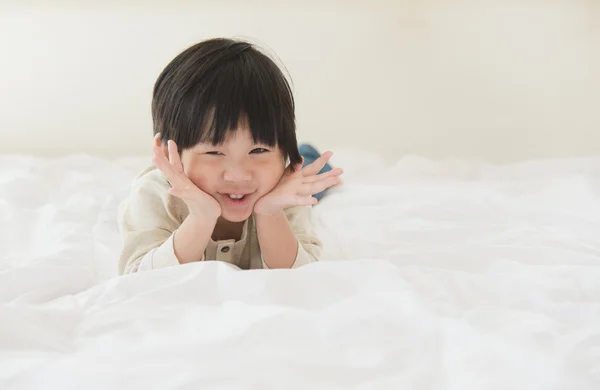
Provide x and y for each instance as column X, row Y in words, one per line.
column 225, row 249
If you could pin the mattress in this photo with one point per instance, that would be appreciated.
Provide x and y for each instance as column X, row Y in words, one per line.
column 435, row 275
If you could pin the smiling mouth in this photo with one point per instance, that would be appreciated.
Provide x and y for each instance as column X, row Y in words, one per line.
column 237, row 197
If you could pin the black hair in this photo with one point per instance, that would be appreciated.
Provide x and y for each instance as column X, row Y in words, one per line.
column 214, row 86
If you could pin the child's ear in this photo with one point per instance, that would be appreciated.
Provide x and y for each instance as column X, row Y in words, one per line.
column 163, row 146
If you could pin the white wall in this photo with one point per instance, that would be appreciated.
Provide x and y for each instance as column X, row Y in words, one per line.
column 500, row 80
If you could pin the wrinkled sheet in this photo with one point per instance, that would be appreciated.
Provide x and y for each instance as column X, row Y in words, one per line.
column 436, row 275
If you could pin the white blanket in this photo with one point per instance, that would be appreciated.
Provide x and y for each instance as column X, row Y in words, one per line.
column 437, row 275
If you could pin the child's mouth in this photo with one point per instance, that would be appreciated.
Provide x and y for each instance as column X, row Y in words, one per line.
column 236, row 196
column 236, row 199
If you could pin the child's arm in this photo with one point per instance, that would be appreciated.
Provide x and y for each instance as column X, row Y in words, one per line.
column 191, row 239
column 153, row 236
column 286, row 240
column 278, row 244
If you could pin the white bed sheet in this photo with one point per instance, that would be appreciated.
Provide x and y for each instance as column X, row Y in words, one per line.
column 437, row 275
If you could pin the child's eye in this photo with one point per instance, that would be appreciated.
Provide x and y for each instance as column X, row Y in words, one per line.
column 259, row 150
column 214, row 153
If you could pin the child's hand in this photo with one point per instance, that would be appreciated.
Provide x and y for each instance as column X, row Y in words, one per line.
column 297, row 188
column 199, row 203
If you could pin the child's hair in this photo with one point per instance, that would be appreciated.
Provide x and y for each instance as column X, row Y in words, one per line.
column 216, row 85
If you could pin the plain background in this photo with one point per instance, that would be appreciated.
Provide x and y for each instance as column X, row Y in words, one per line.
column 500, row 80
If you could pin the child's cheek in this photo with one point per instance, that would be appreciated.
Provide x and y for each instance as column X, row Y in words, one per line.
column 273, row 183
column 270, row 176
column 201, row 182
column 202, row 178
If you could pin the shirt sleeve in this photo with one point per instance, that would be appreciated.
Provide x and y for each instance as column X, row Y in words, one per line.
column 162, row 256
column 147, row 224
column 309, row 245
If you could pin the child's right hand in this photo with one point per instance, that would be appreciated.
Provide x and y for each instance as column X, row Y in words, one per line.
column 199, row 203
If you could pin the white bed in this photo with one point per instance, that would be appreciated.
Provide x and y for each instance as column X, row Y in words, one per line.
column 437, row 275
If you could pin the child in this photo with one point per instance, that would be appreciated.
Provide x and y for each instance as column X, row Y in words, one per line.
column 228, row 181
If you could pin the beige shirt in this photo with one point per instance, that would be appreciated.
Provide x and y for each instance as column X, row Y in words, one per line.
column 149, row 217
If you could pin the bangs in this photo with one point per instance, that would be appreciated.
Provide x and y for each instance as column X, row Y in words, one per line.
column 243, row 94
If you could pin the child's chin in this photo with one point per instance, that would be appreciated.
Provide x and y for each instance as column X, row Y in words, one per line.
column 236, row 216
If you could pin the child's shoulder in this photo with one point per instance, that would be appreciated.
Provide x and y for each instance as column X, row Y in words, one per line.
column 149, row 193
column 149, row 183
column 152, row 178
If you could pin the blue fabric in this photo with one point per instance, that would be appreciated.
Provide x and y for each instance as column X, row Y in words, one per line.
column 310, row 154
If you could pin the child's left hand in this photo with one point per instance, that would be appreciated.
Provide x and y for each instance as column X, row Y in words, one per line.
column 296, row 188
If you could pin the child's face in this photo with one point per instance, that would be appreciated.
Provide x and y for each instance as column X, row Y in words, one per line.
column 237, row 167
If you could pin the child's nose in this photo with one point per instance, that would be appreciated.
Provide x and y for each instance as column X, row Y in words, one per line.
column 236, row 173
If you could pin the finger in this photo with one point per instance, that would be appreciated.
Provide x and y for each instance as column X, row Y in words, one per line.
column 159, row 158
column 334, row 172
column 292, row 169
column 180, row 192
column 184, row 192
column 306, row 201
column 166, row 169
column 157, row 142
column 161, row 162
column 174, row 156
column 317, row 165
column 157, row 145
column 315, row 188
